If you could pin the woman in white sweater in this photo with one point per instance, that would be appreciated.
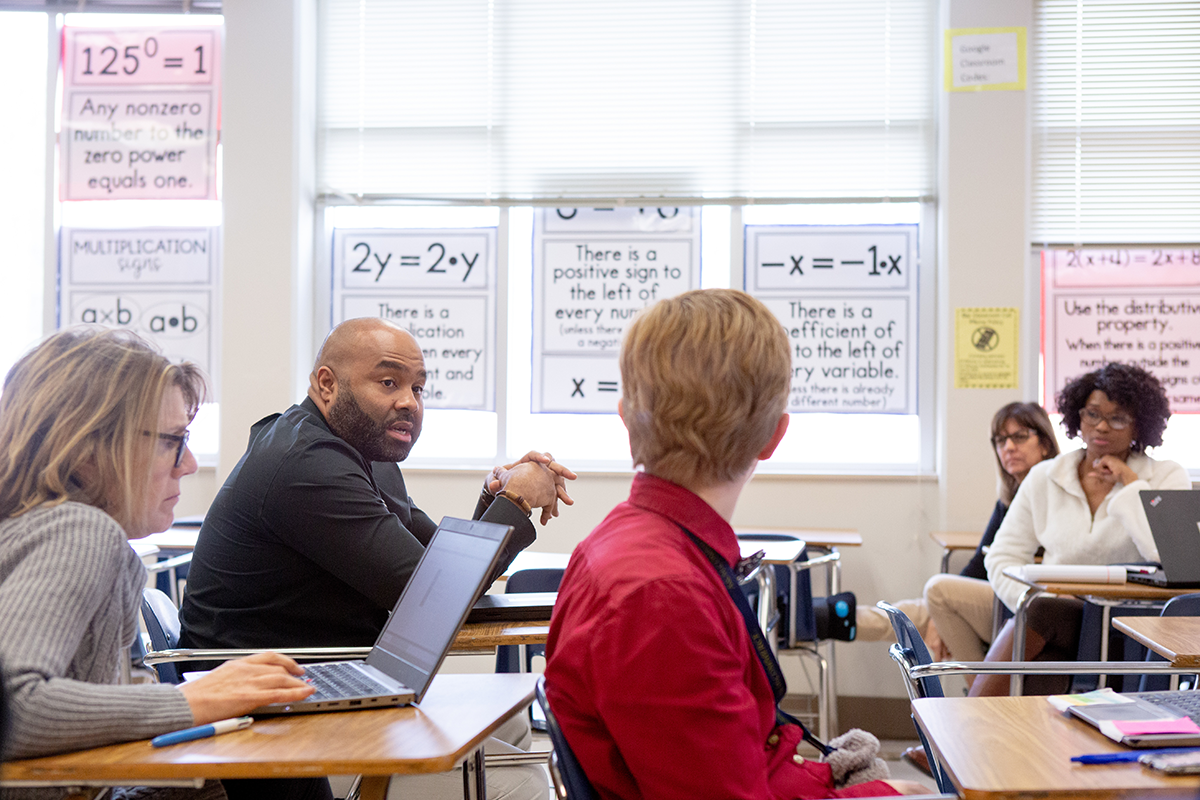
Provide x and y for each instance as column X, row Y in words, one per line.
column 93, row 444
column 1083, row 507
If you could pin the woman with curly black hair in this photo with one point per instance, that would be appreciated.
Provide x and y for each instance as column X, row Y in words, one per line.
column 1083, row 508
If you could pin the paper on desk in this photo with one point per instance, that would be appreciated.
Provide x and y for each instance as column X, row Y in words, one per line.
column 1073, row 573
column 1117, row 730
column 1095, row 697
column 1098, row 696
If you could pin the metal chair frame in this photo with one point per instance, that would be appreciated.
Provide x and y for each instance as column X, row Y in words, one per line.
column 768, row 618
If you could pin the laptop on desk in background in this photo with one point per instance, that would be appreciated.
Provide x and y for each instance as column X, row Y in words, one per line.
column 454, row 571
column 1174, row 517
column 1147, row 707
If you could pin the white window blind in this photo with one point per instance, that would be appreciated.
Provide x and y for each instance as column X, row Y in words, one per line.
column 1116, row 122
column 538, row 99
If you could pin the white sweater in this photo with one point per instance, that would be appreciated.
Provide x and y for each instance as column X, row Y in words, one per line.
column 1051, row 511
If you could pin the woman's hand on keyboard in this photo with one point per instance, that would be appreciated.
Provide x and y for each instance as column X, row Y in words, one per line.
column 235, row 687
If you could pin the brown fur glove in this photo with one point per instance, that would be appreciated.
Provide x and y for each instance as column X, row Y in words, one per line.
column 855, row 759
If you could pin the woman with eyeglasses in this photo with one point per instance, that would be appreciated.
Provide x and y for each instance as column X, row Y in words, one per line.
column 1083, row 508
column 954, row 614
column 93, row 445
column 961, row 605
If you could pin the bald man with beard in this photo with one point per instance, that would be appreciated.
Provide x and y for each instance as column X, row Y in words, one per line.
column 313, row 536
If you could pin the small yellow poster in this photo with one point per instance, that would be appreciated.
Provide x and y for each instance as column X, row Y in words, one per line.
column 985, row 348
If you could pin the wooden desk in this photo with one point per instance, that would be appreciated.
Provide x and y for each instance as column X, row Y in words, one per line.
column 955, row 540
column 457, row 714
column 1020, row 748
column 482, row 636
column 1177, row 639
column 1105, row 595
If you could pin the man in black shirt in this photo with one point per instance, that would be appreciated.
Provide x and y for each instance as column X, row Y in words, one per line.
column 313, row 536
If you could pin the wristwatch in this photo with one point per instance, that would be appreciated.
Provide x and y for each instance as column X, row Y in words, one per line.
column 517, row 501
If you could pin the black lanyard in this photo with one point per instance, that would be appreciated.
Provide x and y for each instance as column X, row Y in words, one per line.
column 761, row 648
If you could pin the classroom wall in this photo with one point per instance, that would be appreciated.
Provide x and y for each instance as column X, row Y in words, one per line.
column 982, row 251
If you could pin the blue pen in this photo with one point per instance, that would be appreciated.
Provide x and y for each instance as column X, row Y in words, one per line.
column 202, row 731
column 1129, row 755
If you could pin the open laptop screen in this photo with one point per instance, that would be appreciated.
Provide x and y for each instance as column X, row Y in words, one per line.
column 452, row 573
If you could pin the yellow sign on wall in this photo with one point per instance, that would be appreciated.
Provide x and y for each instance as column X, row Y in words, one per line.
column 985, row 348
column 985, row 59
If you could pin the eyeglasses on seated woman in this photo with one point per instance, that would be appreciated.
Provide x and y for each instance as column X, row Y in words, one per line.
column 93, row 447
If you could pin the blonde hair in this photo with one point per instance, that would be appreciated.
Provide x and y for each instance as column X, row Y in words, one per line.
column 78, row 419
column 705, row 380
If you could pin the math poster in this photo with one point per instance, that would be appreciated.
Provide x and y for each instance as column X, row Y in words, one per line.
column 847, row 297
column 594, row 269
column 440, row 285
column 161, row 283
column 140, row 113
column 1136, row 306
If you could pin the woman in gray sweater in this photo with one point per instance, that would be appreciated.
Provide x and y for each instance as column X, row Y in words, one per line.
column 93, row 444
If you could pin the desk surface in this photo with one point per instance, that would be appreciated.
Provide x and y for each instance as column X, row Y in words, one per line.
column 478, row 636
column 774, row 552
column 1020, row 748
column 818, row 537
column 173, row 539
column 1177, row 639
column 528, row 559
column 1104, row 591
column 458, row 712
column 957, row 540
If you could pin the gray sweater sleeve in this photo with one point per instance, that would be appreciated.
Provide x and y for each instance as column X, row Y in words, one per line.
column 69, row 591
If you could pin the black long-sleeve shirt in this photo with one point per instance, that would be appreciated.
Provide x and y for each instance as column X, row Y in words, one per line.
column 309, row 545
column 974, row 567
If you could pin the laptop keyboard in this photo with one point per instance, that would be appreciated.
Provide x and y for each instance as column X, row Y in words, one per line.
column 338, row 680
column 1186, row 703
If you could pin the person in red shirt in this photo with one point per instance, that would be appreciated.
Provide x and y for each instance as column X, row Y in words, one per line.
column 650, row 668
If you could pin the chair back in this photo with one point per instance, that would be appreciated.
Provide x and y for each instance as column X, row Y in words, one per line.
column 910, row 649
column 803, row 616
column 1185, row 605
column 565, row 770
column 161, row 619
column 508, row 657
column 909, row 639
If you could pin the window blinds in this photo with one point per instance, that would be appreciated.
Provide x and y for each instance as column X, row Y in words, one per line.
column 513, row 100
column 1116, row 122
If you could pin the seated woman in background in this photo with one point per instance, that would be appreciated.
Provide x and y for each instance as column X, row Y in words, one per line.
column 954, row 615
column 1083, row 508
column 93, row 444
column 960, row 606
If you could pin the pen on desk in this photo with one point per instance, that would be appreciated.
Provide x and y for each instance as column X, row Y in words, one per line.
column 1129, row 755
column 202, row 731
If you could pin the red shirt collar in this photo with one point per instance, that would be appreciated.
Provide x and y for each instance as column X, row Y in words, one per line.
column 685, row 508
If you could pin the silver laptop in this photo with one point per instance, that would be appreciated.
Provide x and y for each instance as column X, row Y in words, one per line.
column 1147, row 706
column 1174, row 518
column 455, row 570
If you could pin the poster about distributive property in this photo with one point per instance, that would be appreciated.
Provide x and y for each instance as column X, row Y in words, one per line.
column 1132, row 305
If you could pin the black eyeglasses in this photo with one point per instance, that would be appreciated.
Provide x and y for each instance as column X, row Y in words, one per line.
column 180, row 440
column 1018, row 438
column 1117, row 421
